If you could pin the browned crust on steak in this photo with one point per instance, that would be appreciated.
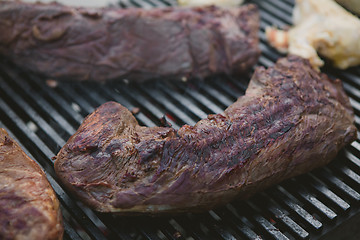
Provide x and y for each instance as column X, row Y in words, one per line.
column 137, row 44
column 291, row 120
column 29, row 208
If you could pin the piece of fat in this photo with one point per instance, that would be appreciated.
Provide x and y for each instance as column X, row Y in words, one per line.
column 320, row 27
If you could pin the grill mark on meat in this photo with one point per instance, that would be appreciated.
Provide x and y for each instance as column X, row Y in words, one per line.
column 136, row 44
column 7, row 141
column 286, row 124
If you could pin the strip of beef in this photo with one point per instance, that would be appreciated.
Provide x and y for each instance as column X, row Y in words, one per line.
column 29, row 208
column 291, row 120
column 137, row 44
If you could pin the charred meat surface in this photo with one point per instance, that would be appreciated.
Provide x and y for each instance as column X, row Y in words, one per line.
column 29, row 208
column 291, row 120
column 103, row 44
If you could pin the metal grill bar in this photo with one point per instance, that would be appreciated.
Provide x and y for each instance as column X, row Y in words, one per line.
column 314, row 205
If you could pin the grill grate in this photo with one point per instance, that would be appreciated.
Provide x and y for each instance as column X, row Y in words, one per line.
column 320, row 204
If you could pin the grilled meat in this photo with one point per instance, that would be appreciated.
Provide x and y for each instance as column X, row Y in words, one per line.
column 291, row 120
column 103, row 44
column 29, row 208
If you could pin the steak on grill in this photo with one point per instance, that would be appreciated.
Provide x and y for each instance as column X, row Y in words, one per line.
column 291, row 120
column 29, row 208
column 102, row 44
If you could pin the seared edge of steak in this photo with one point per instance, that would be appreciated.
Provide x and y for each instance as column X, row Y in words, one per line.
column 29, row 208
column 291, row 120
column 103, row 44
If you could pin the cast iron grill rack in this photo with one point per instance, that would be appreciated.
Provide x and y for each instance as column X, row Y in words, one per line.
column 42, row 114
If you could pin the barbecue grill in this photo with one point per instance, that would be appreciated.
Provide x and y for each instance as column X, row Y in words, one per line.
column 42, row 114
